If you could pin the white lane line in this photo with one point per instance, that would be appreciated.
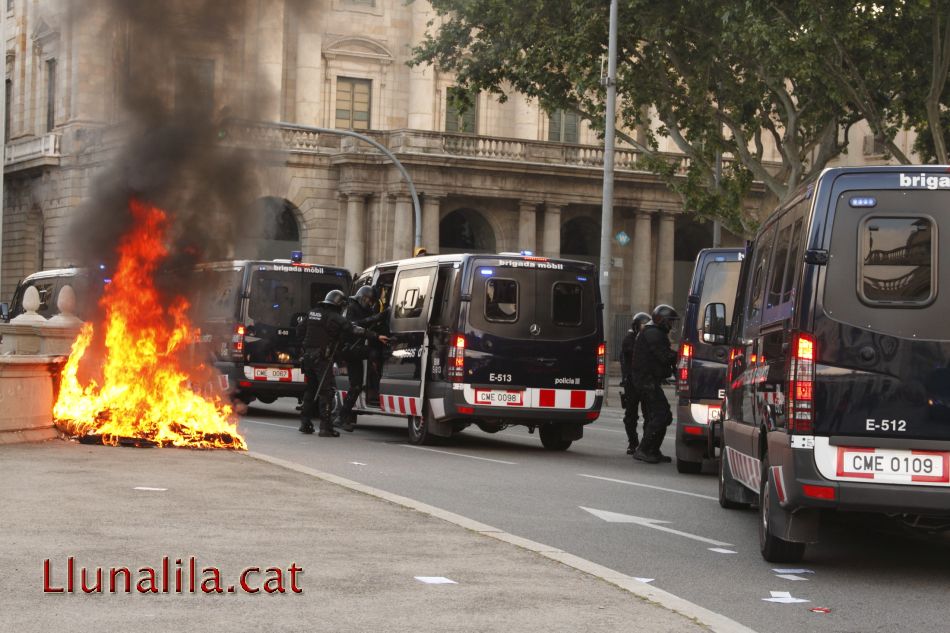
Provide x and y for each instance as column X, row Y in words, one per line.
column 597, row 428
column 635, row 483
column 433, row 450
column 279, row 426
column 716, row 622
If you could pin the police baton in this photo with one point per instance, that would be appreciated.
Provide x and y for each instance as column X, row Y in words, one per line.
column 327, row 370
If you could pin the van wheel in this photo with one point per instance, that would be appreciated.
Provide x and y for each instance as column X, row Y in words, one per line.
column 688, row 468
column 267, row 399
column 726, row 481
column 551, row 438
column 419, row 430
column 774, row 549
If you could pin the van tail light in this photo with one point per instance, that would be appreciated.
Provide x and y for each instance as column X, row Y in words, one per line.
column 237, row 342
column 801, row 384
column 456, row 370
column 682, row 368
column 601, row 364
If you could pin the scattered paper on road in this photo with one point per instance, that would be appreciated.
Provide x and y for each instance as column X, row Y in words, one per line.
column 783, row 597
column 790, row 577
column 721, row 550
column 644, row 579
column 435, row 580
column 150, row 489
column 793, row 571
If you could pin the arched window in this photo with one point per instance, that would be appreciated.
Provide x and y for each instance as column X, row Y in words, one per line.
column 270, row 232
column 580, row 237
column 466, row 231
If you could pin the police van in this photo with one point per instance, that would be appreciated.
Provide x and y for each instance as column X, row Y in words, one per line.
column 247, row 310
column 492, row 340
column 701, row 363
column 838, row 393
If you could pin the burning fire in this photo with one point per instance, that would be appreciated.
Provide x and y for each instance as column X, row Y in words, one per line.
column 143, row 388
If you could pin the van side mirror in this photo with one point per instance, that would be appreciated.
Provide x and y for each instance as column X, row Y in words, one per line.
column 715, row 330
column 4, row 311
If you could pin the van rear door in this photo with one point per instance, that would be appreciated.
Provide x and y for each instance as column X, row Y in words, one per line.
column 881, row 335
column 533, row 325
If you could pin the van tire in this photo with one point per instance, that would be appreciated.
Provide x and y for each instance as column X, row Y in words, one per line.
column 725, row 482
column 551, row 438
column 419, row 434
column 773, row 548
column 267, row 399
column 688, row 468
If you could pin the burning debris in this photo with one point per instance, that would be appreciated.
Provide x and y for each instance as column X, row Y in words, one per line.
column 135, row 384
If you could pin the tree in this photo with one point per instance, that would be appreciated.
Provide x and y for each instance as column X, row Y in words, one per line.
column 774, row 85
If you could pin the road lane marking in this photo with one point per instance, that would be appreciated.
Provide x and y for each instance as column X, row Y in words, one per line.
column 720, row 550
column 150, row 489
column 434, row 450
column 716, row 622
column 635, row 483
column 656, row 524
column 599, row 428
column 279, row 426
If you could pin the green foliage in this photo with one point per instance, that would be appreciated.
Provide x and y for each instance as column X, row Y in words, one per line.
column 714, row 76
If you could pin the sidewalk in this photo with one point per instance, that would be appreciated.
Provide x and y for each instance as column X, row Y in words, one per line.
column 360, row 555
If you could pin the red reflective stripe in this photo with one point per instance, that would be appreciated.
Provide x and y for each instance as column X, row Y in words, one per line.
column 546, row 398
column 402, row 404
column 779, row 484
column 412, row 407
column 578, row 399
column 392, row 404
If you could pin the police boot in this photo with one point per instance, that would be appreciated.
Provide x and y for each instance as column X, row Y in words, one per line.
column 644, row 452
column 344, row 418
column 666, row 459
column 306, row 426
column 326, row 424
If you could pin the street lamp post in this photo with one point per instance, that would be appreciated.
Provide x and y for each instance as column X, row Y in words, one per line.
column 417, row 239
column 607, row 210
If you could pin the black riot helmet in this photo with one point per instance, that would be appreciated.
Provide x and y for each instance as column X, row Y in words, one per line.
column 639, row 320
column 664, row 316
column 335, row 299
column 365, row 296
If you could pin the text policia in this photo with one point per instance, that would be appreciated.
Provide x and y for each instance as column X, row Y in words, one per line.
column 169, row 577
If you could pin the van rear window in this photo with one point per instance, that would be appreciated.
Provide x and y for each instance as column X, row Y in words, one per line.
column 896, row 261
column 567, row 303
column 501, row 300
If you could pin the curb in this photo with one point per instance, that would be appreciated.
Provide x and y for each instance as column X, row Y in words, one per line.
column 714, row 621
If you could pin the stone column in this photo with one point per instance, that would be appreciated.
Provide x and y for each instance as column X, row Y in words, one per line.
column 664, row 258
column 527, row 226
column 431, row 206
column 551, row 238
column 354, row 249
column 402, row 229
column 421, row 78
column 642, row 273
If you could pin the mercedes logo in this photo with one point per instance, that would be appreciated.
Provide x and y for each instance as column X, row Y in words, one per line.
column 534, row 329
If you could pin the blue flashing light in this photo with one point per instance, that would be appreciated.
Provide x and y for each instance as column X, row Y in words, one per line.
column 276, row 306
column 339, row 273
column 102, row 266
column 488, row 272
column 107, row 281
column 579, row 278
column 865, row 202
column 719, row 258
column 296, row 256
column 527, row 253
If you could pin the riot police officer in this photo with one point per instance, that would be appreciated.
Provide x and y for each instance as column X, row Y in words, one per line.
column 321, row 332
column 359, row 311
column 653, row 362
column 631, row 398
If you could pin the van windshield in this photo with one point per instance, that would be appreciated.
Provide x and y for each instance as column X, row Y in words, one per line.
column 276, row 297
column 719, row 286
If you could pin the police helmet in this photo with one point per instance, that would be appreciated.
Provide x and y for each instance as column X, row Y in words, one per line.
column 639, row 320
column 365, row 296
column 664, row 316
column 335, row 298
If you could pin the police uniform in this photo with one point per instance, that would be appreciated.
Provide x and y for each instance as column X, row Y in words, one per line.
column 631, row 397
column 355, row 351
column 653, row 362
column 321, row 332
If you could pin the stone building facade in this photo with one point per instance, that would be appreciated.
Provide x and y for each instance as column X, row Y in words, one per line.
column 502, row 177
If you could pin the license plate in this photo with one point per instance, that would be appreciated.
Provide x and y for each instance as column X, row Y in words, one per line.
column 496, row 397
column 715, row 414
column 271, row 373
column 892, row 465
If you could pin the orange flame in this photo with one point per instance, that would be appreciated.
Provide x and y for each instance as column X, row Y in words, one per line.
column 146, row 377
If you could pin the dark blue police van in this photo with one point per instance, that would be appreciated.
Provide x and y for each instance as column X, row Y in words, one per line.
column 492, row 340
column 838, row 393
column 703, row 355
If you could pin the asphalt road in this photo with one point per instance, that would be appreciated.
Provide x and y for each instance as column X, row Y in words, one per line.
column 870, row 574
